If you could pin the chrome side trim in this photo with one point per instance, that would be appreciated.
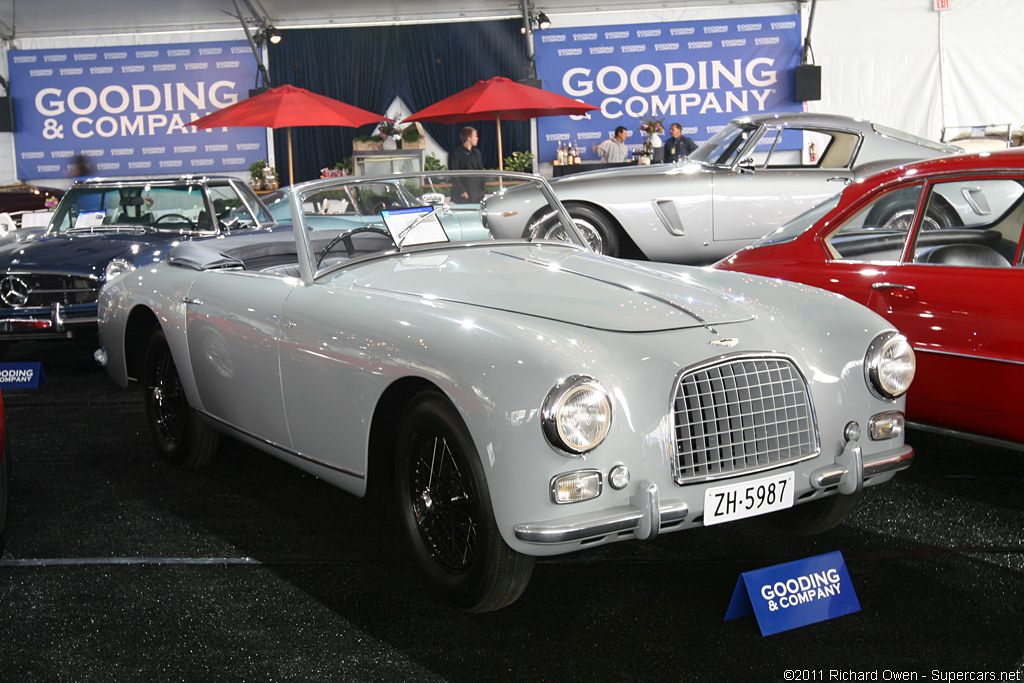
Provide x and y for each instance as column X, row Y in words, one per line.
column 972, row 356
column 980, row 438
column 278, row 449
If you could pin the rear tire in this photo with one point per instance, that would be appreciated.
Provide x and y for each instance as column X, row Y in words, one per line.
column 816, row 516
column 446, row 513
column 181, row 436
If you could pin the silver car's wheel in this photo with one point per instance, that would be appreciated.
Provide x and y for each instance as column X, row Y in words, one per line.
column 445, row 508
column 600, row 232
column 180, row 435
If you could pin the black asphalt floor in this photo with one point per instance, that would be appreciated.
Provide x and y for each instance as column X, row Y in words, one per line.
column 118, row 567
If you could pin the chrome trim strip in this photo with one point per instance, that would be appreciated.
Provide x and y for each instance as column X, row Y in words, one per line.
column 889, row 462
column 618, row 519
column 278, row 448
column 971, row 356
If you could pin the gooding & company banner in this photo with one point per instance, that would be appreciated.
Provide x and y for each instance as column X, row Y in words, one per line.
column 700, row 74
column 128, row 109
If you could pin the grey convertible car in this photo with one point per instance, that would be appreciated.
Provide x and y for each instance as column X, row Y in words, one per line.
column 751, row 177
column 531, row 397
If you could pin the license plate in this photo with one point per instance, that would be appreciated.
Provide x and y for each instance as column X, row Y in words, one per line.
column 748, row 499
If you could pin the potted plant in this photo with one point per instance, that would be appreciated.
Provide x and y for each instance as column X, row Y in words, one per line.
column 519, row 161
column 256, row 170
column 367, row 142
column 414, row 137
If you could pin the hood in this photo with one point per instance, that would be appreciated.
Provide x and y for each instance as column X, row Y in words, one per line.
column 557, row 283
column 78, row 253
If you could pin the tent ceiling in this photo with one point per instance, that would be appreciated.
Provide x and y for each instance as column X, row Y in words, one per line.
column 22, row 19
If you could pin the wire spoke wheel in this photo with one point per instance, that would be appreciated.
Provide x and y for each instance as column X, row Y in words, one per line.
column 446, row 504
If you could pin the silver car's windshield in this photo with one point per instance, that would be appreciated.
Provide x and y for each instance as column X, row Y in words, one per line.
column 177, row 207
column 353, row 217
column 724, row 148
column 796, row 227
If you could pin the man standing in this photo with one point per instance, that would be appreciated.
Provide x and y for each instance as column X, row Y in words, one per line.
column 466, row 157
column 613, row 150
column 678, row 146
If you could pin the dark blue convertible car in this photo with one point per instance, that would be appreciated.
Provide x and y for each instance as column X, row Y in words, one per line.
column 50, row 278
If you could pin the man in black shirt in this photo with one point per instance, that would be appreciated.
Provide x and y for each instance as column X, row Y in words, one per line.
column 466, row 157
column 678, row 146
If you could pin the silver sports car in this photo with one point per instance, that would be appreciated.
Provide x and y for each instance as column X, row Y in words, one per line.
column 751, row 177
column 530, row 397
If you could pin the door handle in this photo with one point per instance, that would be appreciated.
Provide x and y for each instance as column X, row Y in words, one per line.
column 189, row 300
column 892, row 285
column 844, row 181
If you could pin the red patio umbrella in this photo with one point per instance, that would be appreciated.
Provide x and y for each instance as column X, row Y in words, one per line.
column 502, row 99
column 284, row 107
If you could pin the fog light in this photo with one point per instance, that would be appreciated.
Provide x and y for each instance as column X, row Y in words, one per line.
column 618, row 477
column 887, row 426
column 575, row 487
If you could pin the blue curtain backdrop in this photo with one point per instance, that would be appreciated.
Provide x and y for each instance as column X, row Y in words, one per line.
column 368, row 67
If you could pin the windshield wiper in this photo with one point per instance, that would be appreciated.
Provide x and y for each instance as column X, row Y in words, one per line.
column 91, row 229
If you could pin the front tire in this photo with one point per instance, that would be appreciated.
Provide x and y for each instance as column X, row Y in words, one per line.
column 446, row 513
column 181, row 437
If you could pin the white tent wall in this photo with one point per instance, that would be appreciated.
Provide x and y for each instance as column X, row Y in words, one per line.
column 897, row 62
column 904, row 64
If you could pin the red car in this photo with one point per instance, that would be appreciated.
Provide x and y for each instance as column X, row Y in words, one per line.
column 934, row 247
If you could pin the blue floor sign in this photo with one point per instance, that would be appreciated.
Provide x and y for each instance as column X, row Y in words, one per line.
column 795, row 594
column 21, row 375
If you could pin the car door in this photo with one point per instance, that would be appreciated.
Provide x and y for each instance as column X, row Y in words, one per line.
column 941, row 262
column 779, row 176
column 232, row 326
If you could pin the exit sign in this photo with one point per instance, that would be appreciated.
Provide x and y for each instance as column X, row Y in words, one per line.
column 941, row 5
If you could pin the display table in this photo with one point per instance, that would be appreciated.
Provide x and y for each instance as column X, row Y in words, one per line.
column 384, row 162
column 557, row 171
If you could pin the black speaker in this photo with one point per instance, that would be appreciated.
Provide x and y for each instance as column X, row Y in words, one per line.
column 808, row 82
column 253, row 92
column 532, row 82
column 6, row 115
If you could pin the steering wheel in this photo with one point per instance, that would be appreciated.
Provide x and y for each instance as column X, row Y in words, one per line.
column 179, row 216
column 346, row 238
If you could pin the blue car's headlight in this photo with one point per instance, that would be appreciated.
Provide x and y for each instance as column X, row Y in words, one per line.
column 889, row 365
column 577, row 414
column 117, row 267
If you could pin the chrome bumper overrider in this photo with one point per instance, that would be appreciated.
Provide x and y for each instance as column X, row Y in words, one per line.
column 647, row 513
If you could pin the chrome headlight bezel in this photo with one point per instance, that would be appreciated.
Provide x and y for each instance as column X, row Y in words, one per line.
column 889, row 365
column 569, row 400
column 115, row 267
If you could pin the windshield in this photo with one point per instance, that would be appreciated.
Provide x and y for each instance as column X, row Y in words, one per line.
column 724, row 148
column 150, row 207
column 799, row 225
column 350, row 218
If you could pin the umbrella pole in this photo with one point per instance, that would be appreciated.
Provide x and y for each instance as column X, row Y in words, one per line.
column 291, row 173
column 501, row 158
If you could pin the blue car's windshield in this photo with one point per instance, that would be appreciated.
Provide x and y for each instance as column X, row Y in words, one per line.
column 178, row 207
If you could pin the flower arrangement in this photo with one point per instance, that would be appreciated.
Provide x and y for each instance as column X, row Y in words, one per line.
column 650, row 129
column 51, row 203
column 388, row 128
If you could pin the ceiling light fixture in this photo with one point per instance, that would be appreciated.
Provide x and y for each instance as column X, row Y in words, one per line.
column 542, row 21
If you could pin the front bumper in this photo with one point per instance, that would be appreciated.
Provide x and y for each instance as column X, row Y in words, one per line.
column 647, row 514
column 54, row 322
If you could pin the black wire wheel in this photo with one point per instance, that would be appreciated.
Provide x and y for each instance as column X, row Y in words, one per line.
column 446, row 511
column 181, row 437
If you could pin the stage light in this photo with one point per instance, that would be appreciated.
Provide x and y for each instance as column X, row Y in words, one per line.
column 274, row 35
column 543, row 21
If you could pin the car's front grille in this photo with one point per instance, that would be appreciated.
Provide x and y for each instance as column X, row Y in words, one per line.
column 30, row 290
column 739, row 416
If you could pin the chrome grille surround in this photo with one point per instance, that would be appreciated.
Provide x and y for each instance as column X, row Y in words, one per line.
column 46, row 289
column 741, row 414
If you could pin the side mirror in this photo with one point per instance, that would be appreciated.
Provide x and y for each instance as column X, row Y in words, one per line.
column 747, row 164
column 433, row 198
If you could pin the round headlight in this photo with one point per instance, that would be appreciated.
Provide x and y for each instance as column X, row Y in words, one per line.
column 117, row 267
column 889, row 365
column 577, row 414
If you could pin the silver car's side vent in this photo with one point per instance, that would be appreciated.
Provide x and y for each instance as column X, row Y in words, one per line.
column 668, row 214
